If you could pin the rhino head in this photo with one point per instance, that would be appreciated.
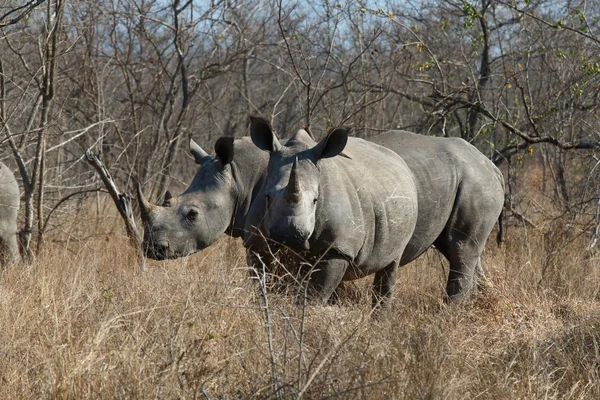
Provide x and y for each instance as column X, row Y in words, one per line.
column 190, row 222
column 292, row 186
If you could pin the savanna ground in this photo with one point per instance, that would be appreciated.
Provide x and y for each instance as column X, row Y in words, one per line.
column 87, row 320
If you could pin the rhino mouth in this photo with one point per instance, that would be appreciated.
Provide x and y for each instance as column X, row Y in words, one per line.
column 155, row 251
column 294, row 242
column 163, row 251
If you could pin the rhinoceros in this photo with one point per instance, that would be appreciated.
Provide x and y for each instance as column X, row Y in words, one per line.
column 9, row 208
column 351, row 207
column 216, row 202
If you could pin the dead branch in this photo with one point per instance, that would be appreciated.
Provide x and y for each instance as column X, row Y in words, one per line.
column 121, row 199
column 526, row 138
column 521, row 217
column 555, row 25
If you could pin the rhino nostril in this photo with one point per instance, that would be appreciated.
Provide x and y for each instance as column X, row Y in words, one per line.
column 158, row 250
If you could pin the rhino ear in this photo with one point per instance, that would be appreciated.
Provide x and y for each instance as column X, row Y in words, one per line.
column 168, row 197
column 332, row 144
column 199, row 155
column 262, row 135
column 224, row 150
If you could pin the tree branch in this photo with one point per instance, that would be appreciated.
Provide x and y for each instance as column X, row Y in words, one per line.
column 551, row 24
column 121, row 200
column 28, row 7
column 527, row 139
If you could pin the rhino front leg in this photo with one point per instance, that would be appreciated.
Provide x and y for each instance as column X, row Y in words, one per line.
column 324, row 278
column 259, row 270
column 9, row 250
column 383, row 286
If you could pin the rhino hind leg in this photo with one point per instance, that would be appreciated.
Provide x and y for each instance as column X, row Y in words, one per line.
column 463, row 279
column 383, row 286
column 462, row 245
column 477, row 205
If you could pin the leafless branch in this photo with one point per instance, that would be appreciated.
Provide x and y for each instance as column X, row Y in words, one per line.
column 122, row 200
column 21, row 11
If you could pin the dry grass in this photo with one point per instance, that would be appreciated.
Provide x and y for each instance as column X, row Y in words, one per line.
column 85, row 321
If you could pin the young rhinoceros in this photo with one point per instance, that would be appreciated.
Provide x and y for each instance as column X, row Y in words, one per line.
column 375, row 206
column 216, row 202
column 9, row 208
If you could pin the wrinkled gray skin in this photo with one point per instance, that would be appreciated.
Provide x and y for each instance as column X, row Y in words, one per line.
column 356, row 208
column 9, row 208
column 216, row 202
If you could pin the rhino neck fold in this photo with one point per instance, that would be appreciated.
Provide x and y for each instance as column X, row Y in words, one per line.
column 245, row 186
column 248, row 171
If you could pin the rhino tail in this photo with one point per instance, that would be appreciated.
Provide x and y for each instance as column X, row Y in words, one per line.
column 500, row 234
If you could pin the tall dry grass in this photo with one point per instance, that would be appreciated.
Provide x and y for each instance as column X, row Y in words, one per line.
column 86, row 321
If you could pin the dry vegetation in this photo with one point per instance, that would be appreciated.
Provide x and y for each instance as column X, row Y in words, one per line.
column 133, row 80
column 86, row 320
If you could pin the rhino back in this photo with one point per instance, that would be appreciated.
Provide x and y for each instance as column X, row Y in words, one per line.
column 441, row 166
column 367, row 205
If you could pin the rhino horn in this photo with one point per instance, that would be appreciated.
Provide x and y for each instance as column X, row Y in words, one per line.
column 145, row 206
column 306, row 245
column 292, row 191
column 199, row 154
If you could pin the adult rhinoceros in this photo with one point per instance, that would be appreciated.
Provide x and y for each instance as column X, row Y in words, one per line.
column 355, row 208
column 9, row 208
column 216, row 202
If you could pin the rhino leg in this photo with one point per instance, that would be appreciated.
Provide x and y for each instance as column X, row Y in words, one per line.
column 383, row 285
column 324, row 278
column 9, row 250
column 462, row 279
column 4, row 253
column 475, row 212
column 259, row 270
column 463, row 247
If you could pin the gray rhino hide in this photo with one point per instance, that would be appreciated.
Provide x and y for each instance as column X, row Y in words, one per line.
column 382, row 204
column 459, row 190
column 216, row 202
column 9, row 208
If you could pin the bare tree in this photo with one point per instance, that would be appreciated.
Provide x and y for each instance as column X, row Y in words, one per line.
column 131, row 80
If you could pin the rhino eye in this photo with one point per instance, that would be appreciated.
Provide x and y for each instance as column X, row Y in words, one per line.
column 191, row 215
column 315, row 200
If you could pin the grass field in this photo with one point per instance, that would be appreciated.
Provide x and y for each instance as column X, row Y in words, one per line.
column 86, row 320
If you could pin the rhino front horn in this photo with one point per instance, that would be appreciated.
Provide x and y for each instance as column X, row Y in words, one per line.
column 292, row 191
column 145, row 206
